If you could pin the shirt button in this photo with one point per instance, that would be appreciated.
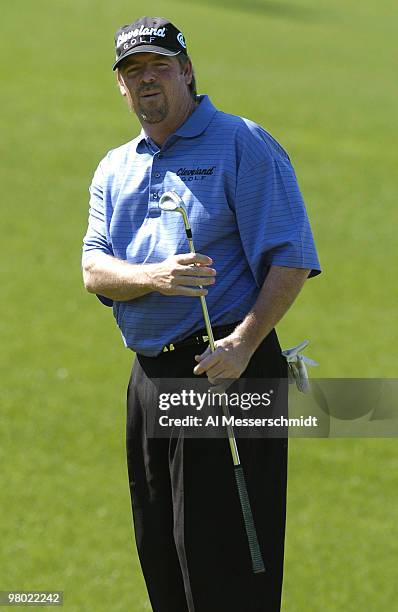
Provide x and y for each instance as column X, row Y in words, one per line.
column 157, row 174
column 155, row 196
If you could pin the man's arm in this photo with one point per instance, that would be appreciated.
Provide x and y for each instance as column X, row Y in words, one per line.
column 121, row 281
column 232, row 355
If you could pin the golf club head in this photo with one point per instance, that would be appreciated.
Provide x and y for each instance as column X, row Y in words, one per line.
column 171, row 202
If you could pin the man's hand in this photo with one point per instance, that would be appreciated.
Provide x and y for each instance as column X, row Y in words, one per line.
column 119, row 280
column 229, row 360
column 179, row 274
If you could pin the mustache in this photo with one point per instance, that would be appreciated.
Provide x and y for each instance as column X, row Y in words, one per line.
column 149, row 88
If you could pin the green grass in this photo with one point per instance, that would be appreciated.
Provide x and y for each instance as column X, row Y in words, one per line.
column 320, row 77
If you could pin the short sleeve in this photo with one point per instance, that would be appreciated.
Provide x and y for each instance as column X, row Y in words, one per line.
column 96, row 239
column 272, row 218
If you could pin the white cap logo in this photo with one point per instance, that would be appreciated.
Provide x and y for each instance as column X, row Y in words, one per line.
column 133, row 34
column 181, row 40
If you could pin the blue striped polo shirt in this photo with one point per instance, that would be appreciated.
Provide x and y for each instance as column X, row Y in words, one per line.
column 244, row 206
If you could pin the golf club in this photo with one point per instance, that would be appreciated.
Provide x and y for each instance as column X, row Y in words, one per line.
column 171, row 202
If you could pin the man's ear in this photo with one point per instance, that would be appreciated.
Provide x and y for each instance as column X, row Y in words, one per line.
column 120, row 82
column 188, row 72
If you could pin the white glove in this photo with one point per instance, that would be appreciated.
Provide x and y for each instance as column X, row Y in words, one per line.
column 297, row 370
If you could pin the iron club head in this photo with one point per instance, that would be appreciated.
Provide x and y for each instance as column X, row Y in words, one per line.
column 172, row 202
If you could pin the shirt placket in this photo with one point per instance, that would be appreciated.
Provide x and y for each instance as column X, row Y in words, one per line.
column 156, row 181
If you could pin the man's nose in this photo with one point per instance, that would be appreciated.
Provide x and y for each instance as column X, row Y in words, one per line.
column 148, row 75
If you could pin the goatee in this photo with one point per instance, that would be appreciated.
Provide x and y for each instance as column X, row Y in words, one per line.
column 156, row 114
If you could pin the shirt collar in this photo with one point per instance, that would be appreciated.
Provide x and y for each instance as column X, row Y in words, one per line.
column 195, row 125
column 199, row 120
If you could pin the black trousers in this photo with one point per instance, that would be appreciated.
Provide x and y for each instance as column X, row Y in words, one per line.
column 188, row 523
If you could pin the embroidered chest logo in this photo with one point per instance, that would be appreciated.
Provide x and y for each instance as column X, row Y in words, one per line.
column 195, row 174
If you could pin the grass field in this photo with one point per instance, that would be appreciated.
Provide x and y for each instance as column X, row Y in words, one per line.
column 320, row 77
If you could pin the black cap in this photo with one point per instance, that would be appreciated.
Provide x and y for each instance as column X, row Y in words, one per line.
column 150, row 35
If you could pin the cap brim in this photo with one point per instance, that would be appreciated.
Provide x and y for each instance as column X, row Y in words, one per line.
column 145, row 49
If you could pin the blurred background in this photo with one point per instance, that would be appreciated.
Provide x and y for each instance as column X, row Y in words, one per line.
column 320, row 77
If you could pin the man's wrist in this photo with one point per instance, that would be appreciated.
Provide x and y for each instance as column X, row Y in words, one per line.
column 244, row 341
column 147, row 277
column 248, row 334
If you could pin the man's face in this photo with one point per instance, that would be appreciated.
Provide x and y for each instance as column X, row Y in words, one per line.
column 156, row 87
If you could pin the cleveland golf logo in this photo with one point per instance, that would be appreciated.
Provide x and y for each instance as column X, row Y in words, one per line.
column 195, row 174
column 134, row 36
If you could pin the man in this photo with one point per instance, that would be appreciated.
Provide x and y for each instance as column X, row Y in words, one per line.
column 255, row 251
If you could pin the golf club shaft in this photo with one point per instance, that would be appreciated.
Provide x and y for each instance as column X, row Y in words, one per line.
column 254, row 547
column 231, row 436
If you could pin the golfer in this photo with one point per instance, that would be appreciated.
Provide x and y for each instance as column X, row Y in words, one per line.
column 254, row 252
